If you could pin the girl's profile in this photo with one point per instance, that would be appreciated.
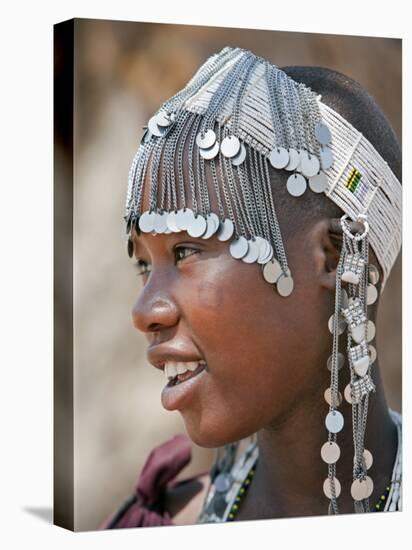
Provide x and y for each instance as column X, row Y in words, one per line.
column 263, row 215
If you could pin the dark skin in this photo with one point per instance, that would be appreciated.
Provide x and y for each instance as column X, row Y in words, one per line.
column 266, row 358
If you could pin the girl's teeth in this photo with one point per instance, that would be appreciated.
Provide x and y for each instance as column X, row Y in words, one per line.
column 174, row 368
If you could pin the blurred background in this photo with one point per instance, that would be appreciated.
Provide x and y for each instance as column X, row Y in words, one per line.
column 123, row 71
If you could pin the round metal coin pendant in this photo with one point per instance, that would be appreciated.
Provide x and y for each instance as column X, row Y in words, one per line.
column 210, row 153
column 340, row 361
column 279, row 157
column 341, row 324
column 264, row 248
column 318, row 183
column 285, row 285
column 361, row 489
column 296, row 185
column 230, row 146
column 268, row 257
column 206, row 140
column 197, row 226
column 322, row 133
column 309, row 165
column 326, row 158
column 154, row 128
column 330, row 452
column 146, row 221
column 328, row 397
column 368, row 458
column 171, row 222
column 225, row 230
column 373, row 274
column 348, row 394
column 372, row 353
column 370, row 331
column 160, row 223
column 239, row 247
column 253, row 252
column 272, row 271
column 294, row 160
column 240, row 157
column 184, row 218
column 334, row 422
column 371, row 294
column 163, row 120
column 327, row 487
column 212, row 224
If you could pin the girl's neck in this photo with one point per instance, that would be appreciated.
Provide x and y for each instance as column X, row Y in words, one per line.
column 290, row 472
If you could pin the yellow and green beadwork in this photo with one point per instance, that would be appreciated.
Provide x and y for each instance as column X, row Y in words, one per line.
column 353, row 180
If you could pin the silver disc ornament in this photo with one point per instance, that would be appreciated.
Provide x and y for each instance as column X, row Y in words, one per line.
column 253, row 252
column 160, row 223
column 212, row 225
column 285, row 285
column 197, row 226
column 230, row 146
column 326, row 158
column 146, row 221
column 347, row 392
column 226, row 229
column 328, row 397
column 340, row 361
column 154, row 129
column 309, row 165
column 205, row 140
column 294, row 160
column 361, row 488
column 239, row 247
column 272, row 271
column 240, row 157
column 341, row 324
column 279, row 157
column 318, row 183
column 171, row 222
column 322, row 133
column 373, row 274
column 330, row 452
column 265, row 247
column 163, row 120
column 210, row 153
column 183, row 218
column 327, row 487
column 371, row 294
column 296, row 185
column 334, row 422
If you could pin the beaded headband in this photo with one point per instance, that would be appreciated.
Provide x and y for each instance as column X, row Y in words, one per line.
column 237, row 117
column 248, row 115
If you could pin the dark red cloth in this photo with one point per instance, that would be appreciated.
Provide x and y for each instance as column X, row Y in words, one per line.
column 146, row 507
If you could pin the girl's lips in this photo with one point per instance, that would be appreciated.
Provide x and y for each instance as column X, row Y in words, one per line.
column 175, row 395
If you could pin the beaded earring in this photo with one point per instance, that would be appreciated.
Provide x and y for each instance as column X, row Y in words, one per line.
column 351, row 314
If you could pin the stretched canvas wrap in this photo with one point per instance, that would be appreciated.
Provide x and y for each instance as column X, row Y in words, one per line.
column 227, row 292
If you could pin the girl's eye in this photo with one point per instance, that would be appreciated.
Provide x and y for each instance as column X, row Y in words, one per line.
column 180, row 253
column 179, row 249
column 141, row 267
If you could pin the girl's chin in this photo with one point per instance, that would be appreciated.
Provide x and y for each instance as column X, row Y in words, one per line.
column 213, row 438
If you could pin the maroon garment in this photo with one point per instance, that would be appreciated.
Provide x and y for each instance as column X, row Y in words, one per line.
column 145, row 508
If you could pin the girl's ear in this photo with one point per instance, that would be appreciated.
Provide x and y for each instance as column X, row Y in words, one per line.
column 327, row 248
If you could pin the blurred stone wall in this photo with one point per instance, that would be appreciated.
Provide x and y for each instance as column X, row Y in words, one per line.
column 123, row 71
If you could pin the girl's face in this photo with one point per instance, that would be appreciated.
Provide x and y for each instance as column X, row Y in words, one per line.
column 265, row 354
